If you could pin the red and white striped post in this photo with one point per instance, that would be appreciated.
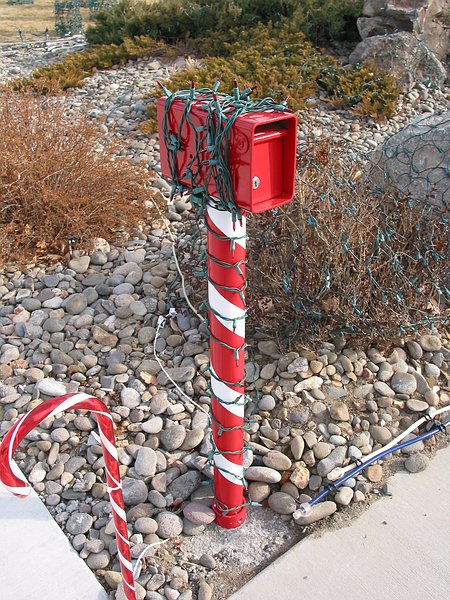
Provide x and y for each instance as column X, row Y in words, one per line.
column 14, row 481
column 210, row 144
column 226, row 294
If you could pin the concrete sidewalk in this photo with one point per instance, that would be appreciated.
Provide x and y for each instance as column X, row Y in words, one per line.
column 399, row 549
column 36, row 558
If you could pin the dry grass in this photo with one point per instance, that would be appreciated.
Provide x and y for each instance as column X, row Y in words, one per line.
column 60, row 177
column 32, row 19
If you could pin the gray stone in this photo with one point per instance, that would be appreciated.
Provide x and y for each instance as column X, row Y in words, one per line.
column 75, row 304
column 173, row 437
column 204, row 591
column 79, row 264
column 258, row 491
column 277, row 460
column 415, row 405
column 335, row 459
column 282, row 503
column 416, row 463
column 414, row 349
column 178, row 374
column 134, row 491
column 263, row 474
column 385, row 372
column 402, row 55
column 344, row 496
column 37, row 473
column 383, row 389
column 318, row 511
column 100, row 560
column 299, row 365
column 83, row 423
column 153, row 426
column 79, row 523
column 411, row 163
column 432, row 371
column 169, row 525
column 312, row 383
column 53, row 325
column 381, row 435
column 403, row 383
column 266, row 403
column 269, row 348
column 208, row 561
column 297, row 447
column 322, row 450
column 183, row 486
column 75, row 463
column 8, row 354
column 199, row 513
column 145, row 464
column 51, row 387
column 145, row 525
column 334, row 392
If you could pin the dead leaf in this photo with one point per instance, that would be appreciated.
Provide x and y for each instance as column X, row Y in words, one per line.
column 174, row 326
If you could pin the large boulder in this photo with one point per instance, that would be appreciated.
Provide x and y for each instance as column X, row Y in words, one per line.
column 403, row 56
column 429, row 20
column 416, row 160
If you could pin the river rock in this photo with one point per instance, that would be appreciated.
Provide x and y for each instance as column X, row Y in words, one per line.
column 277, row 460
column 79, row 523
column 416, row 463
column 173, row 437
column 403, row 383
column 145, row 464
column 134, row 491
column 199, row 513
column 183, row 486
column 51, row 387
column 169, row 525
column 263, row 474
column 282, row 503
column 319, row 511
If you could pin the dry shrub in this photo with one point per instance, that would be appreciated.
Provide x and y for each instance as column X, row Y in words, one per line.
column 60, row 177
column 341, row 258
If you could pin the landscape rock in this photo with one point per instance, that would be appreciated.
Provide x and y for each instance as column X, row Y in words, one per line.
column 403, row 56
column 319, row 511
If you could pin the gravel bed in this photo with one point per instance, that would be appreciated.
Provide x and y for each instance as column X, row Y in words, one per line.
column 90, row 326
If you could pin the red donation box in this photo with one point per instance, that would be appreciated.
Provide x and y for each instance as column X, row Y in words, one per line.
column 261, row 155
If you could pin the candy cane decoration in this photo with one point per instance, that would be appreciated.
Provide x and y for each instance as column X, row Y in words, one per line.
column 13, row 480
column 226, row 294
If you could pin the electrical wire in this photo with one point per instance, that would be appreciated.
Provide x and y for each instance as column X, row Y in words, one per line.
column 180, row 273
column 161, row 322
column 432, row 414
column 306, row 507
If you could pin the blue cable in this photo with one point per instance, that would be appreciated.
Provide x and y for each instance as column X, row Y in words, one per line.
column 331, row 488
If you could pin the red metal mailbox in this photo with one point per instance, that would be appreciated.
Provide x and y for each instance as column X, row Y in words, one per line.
column 261, row 159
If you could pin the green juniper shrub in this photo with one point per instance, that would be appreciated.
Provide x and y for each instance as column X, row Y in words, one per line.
column 178, row 20
column 282, row 64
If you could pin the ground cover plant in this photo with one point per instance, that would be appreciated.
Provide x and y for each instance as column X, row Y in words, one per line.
column 60, row 178
column 283, row 63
